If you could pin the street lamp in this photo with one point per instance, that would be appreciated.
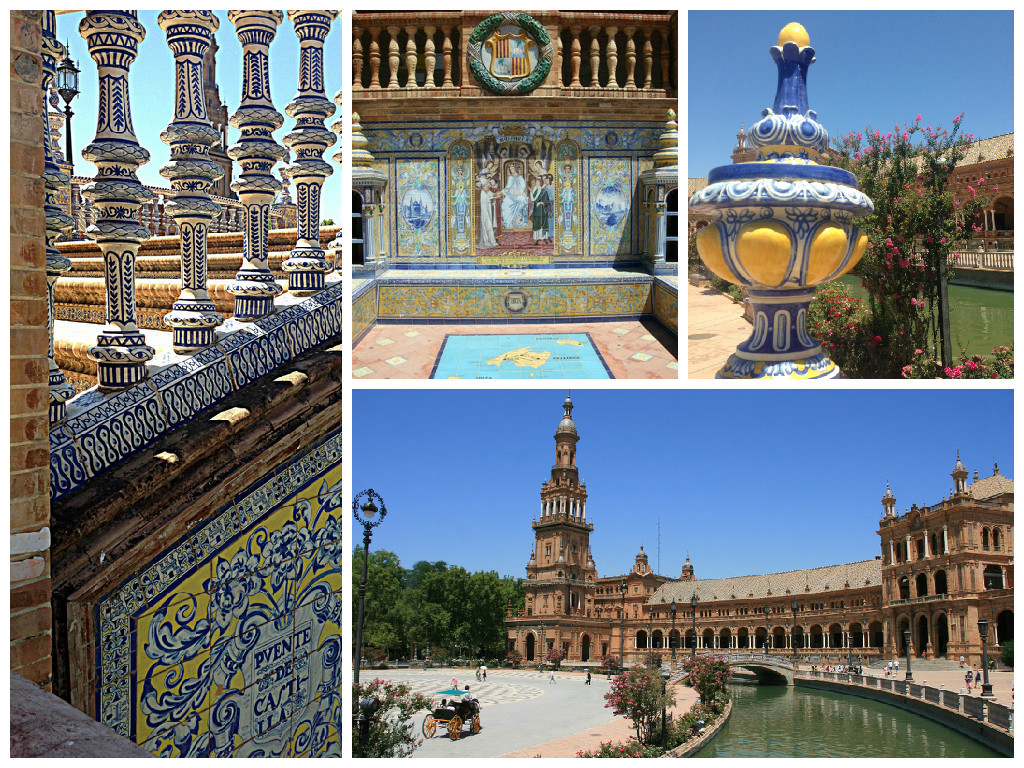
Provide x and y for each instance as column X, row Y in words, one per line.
column 793, row 606
column 611, row 631
column 543, row 648
column 664, row 689
column 367, row 515
column 693, row 617
column 906, row 643
column 849, row 652
column 368, row 708
column 673, row 609
column 767, row 626
column 67, row 87
column 622, row 626
column 986, row 686
column 650, row 637
column 426, row 661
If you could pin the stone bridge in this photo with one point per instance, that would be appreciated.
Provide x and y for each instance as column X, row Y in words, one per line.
column 769, row 668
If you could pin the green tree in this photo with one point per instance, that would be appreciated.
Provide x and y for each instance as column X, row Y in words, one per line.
column 1006, row 653
column 555, row 657
column 706, row 675
column 392, row 731
column 382, row 626
column 638, row 695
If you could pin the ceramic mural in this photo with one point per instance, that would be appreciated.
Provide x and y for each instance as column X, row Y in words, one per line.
column 418, row 213
column 611, row 185
column 230, row 643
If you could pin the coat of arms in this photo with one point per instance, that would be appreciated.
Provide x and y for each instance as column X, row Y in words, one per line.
column 510, row 55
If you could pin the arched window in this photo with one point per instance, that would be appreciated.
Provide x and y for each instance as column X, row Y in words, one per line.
column 995, row 539
column 941, row 586
column 672, row 227
column 984, row 539
column 994, row 577
column 922, row 585
column 358, row 256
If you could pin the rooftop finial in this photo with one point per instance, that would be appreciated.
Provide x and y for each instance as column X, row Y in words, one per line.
column 794, row 33
column 667, row 155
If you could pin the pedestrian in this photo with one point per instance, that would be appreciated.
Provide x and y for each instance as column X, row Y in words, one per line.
column 455, row 684
column 977, row 678
column 897, row 665
column 485, row 673
column 588, row 678
column 552, row 677
column 967, row 680
column 961, row 661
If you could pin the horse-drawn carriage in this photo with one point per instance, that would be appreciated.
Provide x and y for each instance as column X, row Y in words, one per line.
column 448, row 710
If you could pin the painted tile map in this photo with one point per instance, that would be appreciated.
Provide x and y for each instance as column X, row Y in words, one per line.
column 520, row 356
column 229, row 645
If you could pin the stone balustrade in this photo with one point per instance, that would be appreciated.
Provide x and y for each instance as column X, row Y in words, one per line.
column 1002, row 260
column 621, row 55
column 122, row 215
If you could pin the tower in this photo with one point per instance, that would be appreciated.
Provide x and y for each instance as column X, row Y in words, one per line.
column 687, row 573
column 561, row 574
column 959, row 476
column 217, row 111
column 888, row 502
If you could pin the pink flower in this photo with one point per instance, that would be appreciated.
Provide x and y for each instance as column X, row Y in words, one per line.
column 981, row 181
column 943, row 241
column 918, row 351
column 896, row 251
column 904, row 263
column 906, row 136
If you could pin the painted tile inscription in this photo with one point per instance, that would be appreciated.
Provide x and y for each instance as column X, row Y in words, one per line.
column 230, row 643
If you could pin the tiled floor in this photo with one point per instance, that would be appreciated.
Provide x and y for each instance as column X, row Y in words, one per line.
column 630, row 349
column 714, row 327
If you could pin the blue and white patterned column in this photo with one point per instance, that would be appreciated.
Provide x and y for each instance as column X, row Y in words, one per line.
column 56, row 220
column 310, row 107
column 121, row 352
column 256, row 153
column 336, row 247
column 191, row 172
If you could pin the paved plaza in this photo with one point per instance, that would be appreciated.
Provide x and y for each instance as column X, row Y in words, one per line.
column 714, row 326
column 524, row 714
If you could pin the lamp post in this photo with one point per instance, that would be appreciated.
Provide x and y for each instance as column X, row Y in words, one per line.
column 426, row 661
column 650, row 637
column 543, row 648
column 367, row 709
column 849, row 652
column 367, row 514
column 622, row 626
column 611, row 630
column 693, row 618
column 67, row 87
column 664, row 689
column 986, row 686
column 673, row 609
column 793, row 605
column 906, row 643
column 767, row 627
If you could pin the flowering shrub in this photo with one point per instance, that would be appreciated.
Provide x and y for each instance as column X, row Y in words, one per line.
column 392, row 732
column 999, row 366
column 637, row 694
column 609, row 663
column 514, row 659
column 916, row 223
column 555, row 656
column 627, row 749
column 707, row 675
column 842, row 324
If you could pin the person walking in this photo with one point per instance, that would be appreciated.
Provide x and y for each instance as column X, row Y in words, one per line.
column 967, row 680
column 977, row 678
column 588, row 678
column 552, row 677
column 961, row 661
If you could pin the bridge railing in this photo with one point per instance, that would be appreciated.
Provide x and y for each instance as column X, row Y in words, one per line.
column 761, row 658
column 982, row 260
column 980, row 709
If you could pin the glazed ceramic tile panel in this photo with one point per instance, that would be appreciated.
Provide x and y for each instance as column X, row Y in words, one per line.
column 665, row 298
column 419, row 209
column 364, row 312
column 510, row 302
column 514, row 191
column 610, row 206
column 229, row 644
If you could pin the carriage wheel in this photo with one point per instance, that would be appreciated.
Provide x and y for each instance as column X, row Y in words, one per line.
column 455, row 728
column 429, row 726
column 476, row 724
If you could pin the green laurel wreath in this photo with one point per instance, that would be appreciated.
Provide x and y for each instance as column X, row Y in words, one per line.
column 539, row 35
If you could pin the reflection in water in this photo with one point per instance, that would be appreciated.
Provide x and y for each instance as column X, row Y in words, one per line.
column 979, row 319
column 780, row 721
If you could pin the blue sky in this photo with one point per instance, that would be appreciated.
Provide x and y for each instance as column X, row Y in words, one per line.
column 873, row 67
column 751, row 482
column 152, row 92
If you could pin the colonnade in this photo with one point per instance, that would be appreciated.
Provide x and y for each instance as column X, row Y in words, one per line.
column 121, row 351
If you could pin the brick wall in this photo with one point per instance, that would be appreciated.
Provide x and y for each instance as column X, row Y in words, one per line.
column 30, row 478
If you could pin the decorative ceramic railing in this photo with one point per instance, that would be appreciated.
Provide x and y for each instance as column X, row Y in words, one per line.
column 120, row 213
column 627, row 55
column 982, row 259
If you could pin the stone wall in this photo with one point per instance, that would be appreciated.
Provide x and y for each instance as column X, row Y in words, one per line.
column 30, row 481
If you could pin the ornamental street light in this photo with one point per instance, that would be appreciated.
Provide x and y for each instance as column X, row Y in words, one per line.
column 793, row 606
column 543, row 648
column 670, row 637
column 849, row 652
column 622, row 627
column 367, row 515
column 611, row 631
column 367, row 709
column 426, row 661
column 986, row 686
column 67, row 87
column 693, row 617
column 767, row 626
column 650, row 637
column 906, row 643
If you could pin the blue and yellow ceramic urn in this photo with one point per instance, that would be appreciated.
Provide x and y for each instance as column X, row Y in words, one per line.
column 781, row 225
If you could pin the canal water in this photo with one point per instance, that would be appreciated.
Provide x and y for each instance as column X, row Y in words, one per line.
column 980, row 319
column 785, row 721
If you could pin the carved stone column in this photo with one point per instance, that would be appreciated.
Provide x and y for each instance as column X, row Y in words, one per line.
column 310, row 107
column 630, row 58
column 446, row 50
column 357, row 57
column 56, row 220
column 393, row 58
column 574, row 60
column 429, row 56
column 410, row 57
column 121, row 352
column 612, row 58
column 595, row 57
column 648, row 58
column 374, row 58
column 191, row 173
column 664, row 60
column 256, row 153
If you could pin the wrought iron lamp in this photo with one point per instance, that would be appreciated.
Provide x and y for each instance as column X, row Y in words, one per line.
column 370, row 516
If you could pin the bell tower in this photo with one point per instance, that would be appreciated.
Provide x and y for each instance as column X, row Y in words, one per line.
column 561, row 574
